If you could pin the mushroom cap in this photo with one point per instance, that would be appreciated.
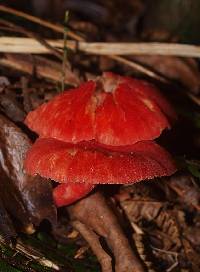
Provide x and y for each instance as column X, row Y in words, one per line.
column 89, row 163
column 113, row 110
column 67, row 193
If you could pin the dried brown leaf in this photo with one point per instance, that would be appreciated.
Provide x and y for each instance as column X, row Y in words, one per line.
column 168, row 224
column 186, row 188
column 193, row 235
column 3, row 82
column 35, row 192
column 184, row 71
column 11, row 107
column 192, row 255
column 138, row 210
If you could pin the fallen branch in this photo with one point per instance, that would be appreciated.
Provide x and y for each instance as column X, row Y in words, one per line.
column 28, row 45
column 42, row 67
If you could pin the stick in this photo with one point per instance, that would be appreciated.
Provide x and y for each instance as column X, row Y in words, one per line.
column 33, row 254
column 17, row 45
column 39, row 21
column 44, row 68
column 64, row 51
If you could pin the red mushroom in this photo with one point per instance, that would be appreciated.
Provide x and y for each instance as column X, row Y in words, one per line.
column 100, row 133
column 111, row 112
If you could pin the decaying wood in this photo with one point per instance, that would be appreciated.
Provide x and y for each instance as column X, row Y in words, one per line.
column 95, row 213
column 39, row 66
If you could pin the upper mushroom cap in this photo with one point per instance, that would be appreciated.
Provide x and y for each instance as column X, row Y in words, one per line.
column 88, row 163
column 112, row 110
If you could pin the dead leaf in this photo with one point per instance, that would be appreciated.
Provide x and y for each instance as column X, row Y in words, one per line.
column 11, row 107
column 138, row 210
column 193, row 235
column 184, row 71
column 35, row 192
column 186, row 188
column 3, row 82
column 192, row 255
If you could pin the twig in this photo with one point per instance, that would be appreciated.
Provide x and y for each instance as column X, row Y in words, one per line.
column 169, row 252
column 35, row 255
column 36, row 37
column 39, row 21
column 99, row 48
column 29, row 253
column 153, row 48
column 138, row 67
column 64, row 51
column 194, row 98
column 44, row 68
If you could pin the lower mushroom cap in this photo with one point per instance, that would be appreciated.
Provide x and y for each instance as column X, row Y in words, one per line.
column 91, row 164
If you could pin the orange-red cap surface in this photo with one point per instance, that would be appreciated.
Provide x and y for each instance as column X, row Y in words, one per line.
column 69, row 163
column 66, row 193
column 112, row 110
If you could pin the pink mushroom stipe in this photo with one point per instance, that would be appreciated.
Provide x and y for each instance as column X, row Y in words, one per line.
column 100, row 133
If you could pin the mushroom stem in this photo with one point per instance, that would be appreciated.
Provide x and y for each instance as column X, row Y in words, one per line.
column 93, row 240
column 94, row 212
